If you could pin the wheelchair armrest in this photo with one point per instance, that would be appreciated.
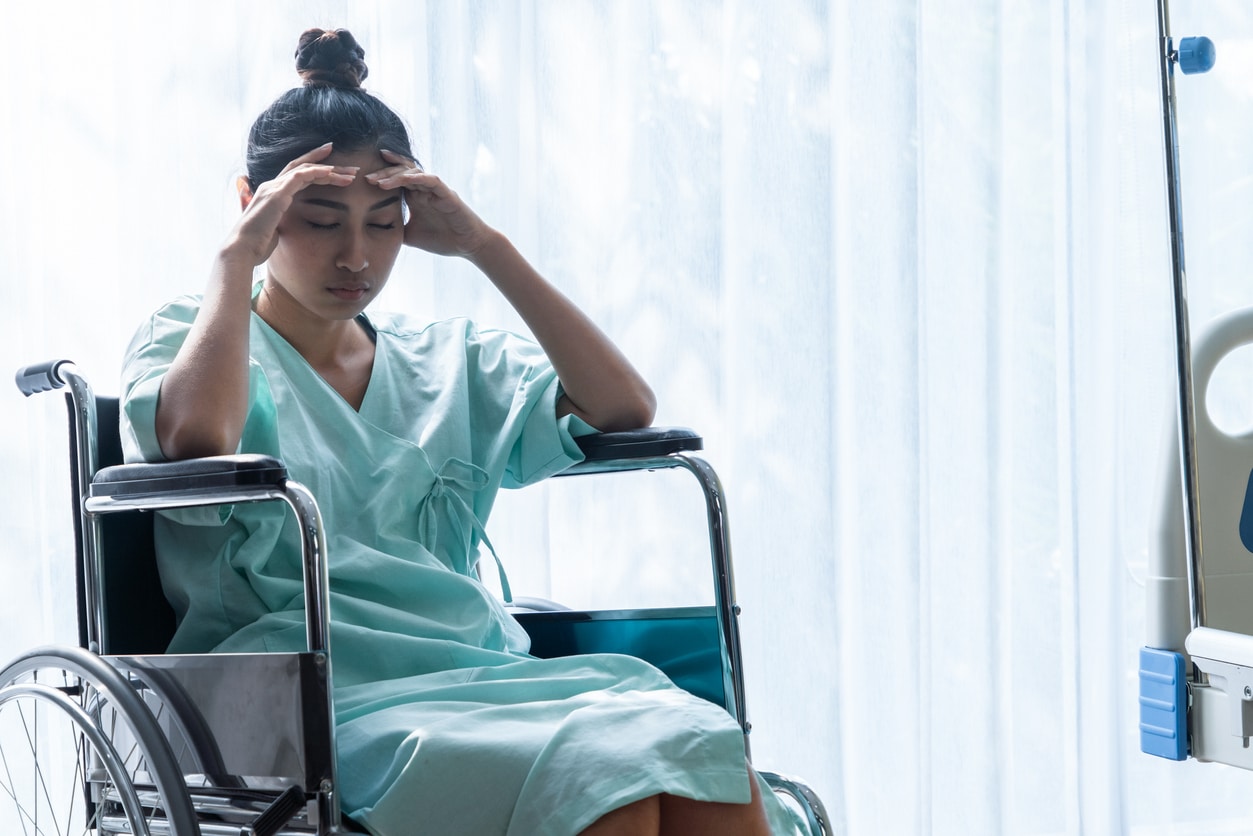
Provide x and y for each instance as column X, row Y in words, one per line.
column 639, row 444
column 214, row 474
column 219, row 480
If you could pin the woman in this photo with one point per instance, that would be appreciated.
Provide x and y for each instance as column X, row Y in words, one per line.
column 404, row 432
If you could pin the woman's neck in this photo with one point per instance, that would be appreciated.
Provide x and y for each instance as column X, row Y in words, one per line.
column 340, row 351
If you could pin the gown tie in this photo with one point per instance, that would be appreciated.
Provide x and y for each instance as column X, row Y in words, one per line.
column 443, row 501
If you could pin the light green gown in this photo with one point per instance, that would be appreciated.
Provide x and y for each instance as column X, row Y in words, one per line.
column 444, row 723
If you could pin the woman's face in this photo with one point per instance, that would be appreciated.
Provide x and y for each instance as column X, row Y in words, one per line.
column 337, row 244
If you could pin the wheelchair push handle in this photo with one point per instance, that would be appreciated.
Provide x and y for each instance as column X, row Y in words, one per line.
column 41, row 377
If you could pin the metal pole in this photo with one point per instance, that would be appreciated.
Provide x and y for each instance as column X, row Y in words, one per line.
column 1183, row 355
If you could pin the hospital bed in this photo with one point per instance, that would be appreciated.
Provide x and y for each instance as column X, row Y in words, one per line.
column 1196, row 669
column 115, row 736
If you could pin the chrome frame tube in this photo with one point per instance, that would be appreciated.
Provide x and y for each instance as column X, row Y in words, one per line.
column 720, row 555
column 815, row 812
column 315, row 570
column 1183, row 351
column 318, row 631
column 316, row 583
column 312, row 538
column 87, row 462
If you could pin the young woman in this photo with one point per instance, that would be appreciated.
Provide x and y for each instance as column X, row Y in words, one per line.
column 405, row 432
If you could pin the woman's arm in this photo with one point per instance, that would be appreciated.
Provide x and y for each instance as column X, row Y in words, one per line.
column 601, row 386
column 204, row 395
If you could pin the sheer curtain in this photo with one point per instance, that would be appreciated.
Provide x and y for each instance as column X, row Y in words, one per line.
column 902, row 263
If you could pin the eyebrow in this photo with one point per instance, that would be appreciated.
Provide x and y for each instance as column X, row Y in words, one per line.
column 343, row 207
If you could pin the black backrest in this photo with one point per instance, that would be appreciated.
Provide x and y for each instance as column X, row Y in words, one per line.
column 138, row 618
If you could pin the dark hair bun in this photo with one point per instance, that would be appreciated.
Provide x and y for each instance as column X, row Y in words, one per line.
column 333, row 59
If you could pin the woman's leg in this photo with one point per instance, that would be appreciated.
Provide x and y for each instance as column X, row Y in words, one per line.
column 672, row 815
column 685, row 817
column 641, row 818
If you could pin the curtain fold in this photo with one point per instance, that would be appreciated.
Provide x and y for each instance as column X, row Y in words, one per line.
column 902, row 263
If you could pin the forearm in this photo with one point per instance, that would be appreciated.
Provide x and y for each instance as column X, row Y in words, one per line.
column 601, row 385
column 204, row 396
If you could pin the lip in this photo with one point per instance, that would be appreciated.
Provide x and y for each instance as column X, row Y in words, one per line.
column 349, row 293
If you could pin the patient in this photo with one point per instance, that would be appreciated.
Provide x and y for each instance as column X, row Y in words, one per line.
column 405, row 430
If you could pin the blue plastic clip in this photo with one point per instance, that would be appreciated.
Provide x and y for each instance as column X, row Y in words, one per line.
column 1196, row 55
column 1163, row 704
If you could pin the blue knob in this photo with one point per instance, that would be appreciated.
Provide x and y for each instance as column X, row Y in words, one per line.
column 1196, row 55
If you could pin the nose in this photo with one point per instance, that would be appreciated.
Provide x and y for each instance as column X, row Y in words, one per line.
column 352, row 255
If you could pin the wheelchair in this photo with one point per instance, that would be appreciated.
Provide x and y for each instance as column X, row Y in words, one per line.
column 115, row 736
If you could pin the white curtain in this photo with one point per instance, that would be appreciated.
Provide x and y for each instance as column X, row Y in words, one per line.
column 903, row 264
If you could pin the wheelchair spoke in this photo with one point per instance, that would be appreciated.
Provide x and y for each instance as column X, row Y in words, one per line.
column 38, row 773
column 29, row 810
column 12, row 793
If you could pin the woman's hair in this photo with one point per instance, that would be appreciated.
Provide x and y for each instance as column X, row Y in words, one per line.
column 331, row 106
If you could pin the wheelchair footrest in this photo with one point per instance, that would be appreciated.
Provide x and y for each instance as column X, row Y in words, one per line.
column 277, row 814
column 1163, row 704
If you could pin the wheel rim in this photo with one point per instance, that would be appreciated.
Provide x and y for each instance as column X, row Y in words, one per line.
column 71, row 758
column 59, row 769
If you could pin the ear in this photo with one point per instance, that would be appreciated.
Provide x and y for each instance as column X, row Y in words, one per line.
column 245, row 192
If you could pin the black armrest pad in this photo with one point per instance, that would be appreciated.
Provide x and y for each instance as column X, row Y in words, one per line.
column 213, row 473
column 639, row 444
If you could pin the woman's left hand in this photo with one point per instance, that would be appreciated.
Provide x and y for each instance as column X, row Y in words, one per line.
column 439, row 220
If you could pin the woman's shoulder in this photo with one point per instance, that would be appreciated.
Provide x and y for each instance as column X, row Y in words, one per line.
column 167, row 323
column 181, row 309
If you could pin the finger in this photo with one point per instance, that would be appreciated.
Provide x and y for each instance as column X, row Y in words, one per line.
column 400, row 165
column 386, row 173
column 316, row 155
column 309, row 174
column 281, row 191
column 400, row 159
column 412, row 179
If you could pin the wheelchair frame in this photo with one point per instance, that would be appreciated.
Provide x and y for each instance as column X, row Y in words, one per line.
column 169, row 700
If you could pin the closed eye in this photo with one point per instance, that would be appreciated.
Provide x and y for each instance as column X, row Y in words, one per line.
column 384, row 226
column 323, row 226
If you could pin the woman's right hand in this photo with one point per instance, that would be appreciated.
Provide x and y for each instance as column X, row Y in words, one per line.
column 256, row 233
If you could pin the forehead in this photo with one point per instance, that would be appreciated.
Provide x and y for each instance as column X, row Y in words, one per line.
column 361, row 194
column 368, row 159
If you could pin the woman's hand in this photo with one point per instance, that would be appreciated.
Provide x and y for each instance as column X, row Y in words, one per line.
column 256, row 233
column 439, row 221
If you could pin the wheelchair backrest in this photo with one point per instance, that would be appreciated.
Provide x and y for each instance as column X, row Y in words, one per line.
column 138, row 618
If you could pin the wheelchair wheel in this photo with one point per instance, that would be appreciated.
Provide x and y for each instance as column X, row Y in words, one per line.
column 81, row 754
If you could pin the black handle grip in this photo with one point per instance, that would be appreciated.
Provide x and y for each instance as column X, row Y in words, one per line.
column 41, row 377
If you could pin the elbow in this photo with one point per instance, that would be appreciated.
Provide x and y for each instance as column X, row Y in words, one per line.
column 632, row 413
column 181, row 441
column 179, row 448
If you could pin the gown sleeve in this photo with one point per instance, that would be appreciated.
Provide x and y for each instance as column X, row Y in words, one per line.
column 152, row 351
column 511, row 375
column 148, row 358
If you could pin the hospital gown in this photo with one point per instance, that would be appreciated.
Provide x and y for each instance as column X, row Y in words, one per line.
column 444, row 724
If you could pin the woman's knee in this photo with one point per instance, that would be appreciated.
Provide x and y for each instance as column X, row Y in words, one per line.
column 640, row 818
column 694, row 818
